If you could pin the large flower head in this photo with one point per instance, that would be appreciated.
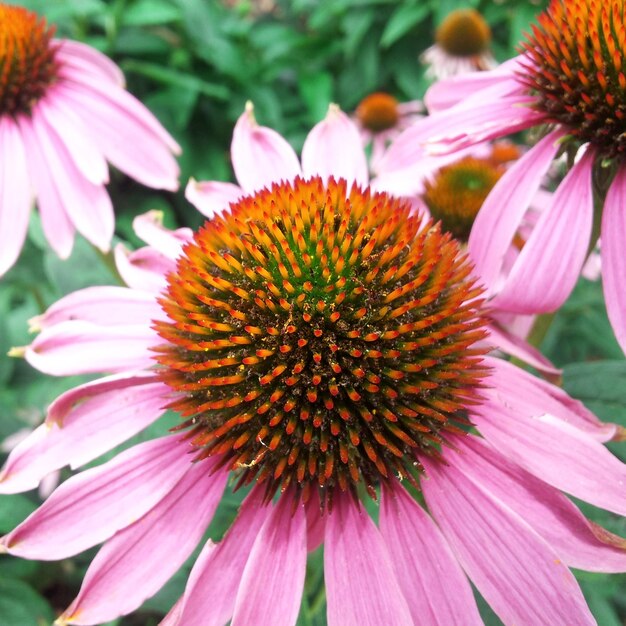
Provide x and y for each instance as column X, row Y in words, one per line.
column 324, row 344
column 569, row 80
column 63, row 114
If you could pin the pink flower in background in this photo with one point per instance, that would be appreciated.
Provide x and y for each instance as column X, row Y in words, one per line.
column 63, row 114
column 570, row 77
column 319, row 341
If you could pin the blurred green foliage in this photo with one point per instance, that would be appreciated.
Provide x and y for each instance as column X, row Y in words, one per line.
column 195, row 63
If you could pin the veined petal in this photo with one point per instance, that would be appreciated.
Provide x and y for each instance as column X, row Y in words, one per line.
column 87, row 59
column 100, row 501
column 144, row 269
column 370, row 594
column 149, row 227
column 556, row 452
column 576, row 540
column 613, row 237
column 211, row 197
column 425, row 566
column 77, row 347
column 16, row 195
column 260, row 156
column 515, row 570
column 273, row 578
column 136, row 562
column 505, row 206
column 549, row 264
column 90, row 429
column 334, row 148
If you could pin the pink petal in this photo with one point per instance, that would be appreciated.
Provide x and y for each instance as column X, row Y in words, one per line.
column 57, row 227
column 504, row 208
column 149, row 227
column 334, row 148
column 93, row 505
column 533, row 396
column 144, row 269
column 16, row 195
column 576, row 540
column 72, row 133
column 557, row 453
column 80, row 56
column 315, row 523
column 108, row 306
column 93, row 427
column 260, row 156
column 117, row 124
column 361, row 586
column 136, row 562
column 273, row 578
column 87, row 205
column 549, row 264
column 432, row 581
column 612, row 251
column 209, row 597
column 514, row 569
column 212, row 197
column 77, row 347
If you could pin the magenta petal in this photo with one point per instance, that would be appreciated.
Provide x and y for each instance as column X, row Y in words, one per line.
column 432, row 581
column 613, row 239
column 549, row 264
column 209, row 597
column 77, row 347
column 260, row 156
column 212, row 197
column 576, row 540
column 16, row 195
column 93, row 427
column 334, row 148
column 149, row 228
column 135, row 563
column 514, row 569
column 556, row 452
column 273, row 578
column 361, row 586
column 505, row 206
column 100, row 501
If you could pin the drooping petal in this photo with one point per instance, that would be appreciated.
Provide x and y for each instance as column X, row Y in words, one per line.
column 361, row 586
column 515, row 570
column 108, row 306
column 136, row 562
column 211, row 197
column 100, row 501
column 273, row 578
column 334, row 148
column 425, row 566
column 576, row 540
column 260, row 156
column 77, row 347
column 613, row 237
column 144, row 269
column 149, row 227
column 556, row 452
column 16, row 194
column 209, row 597
column 549, row 264
column 505, row 206
column 80, row 56
column 315, row 523
column 93, row 427
column 56, row 225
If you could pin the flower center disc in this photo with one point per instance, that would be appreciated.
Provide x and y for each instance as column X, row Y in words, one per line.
column 457, row 192
column 27, row 64
column 378, row 112
column 320, row 338
column 464, row 33
column 578, row 69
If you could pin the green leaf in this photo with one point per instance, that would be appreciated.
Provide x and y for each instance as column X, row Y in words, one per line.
column 317, row 92
column 20, row 605
column 150, row 13
column 14, row 509
column 402, row 21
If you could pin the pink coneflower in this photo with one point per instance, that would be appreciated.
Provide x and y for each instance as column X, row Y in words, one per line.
column 571, row 76
column 462, row 45
column 63, row 114
column 321, row 343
